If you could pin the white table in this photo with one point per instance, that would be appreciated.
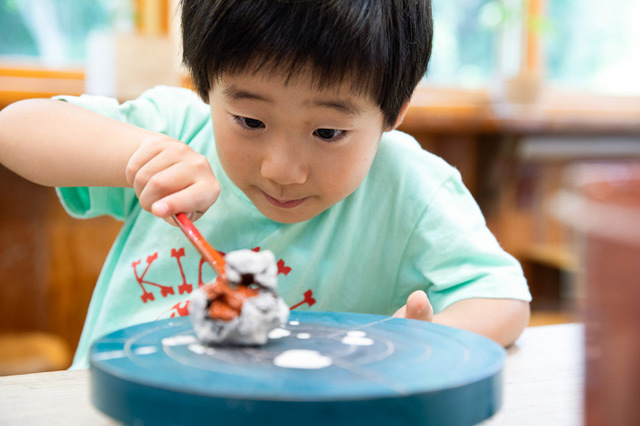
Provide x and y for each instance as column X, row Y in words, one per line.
column 544, row 380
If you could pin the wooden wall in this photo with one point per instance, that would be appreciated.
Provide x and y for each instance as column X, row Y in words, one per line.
column 49, row 262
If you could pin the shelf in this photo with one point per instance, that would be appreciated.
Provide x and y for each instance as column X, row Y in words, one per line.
column 439, row 110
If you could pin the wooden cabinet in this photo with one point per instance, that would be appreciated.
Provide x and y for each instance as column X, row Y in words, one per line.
column 49, row 262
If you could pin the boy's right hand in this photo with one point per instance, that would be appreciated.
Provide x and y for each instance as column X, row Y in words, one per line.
column 169, row 177
column 418, row 307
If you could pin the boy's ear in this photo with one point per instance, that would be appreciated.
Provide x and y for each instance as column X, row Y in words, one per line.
column 403, row 112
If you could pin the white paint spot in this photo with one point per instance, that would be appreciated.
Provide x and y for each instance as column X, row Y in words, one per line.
column 294, row 322
column 303, row 359
column 178, row 340
column 357, row 338
column 201, row 349
column 277, row 333
column 145, row 350
column 303, row 335
column 104, row 356
column 198, row 349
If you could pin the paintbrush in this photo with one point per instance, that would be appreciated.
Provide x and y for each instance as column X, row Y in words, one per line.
column 210, row 255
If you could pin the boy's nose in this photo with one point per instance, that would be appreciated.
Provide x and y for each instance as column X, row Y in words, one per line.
column 284, row 164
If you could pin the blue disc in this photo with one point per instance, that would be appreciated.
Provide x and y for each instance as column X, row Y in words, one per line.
column 322, row 368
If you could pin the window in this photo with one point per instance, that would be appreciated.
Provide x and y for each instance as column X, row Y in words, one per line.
column 51, row 32
column 594, row 44
column 464, row 52
column 584, row 45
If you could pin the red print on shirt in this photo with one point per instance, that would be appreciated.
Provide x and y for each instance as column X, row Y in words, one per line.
column 282, row 268
column 308, row 299
column 146, row 295
column 184, row 287
column 182, row 308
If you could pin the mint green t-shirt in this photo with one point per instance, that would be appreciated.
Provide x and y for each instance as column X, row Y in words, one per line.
column 410, row 225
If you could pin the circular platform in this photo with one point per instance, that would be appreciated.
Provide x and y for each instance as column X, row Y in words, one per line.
column 322, row 368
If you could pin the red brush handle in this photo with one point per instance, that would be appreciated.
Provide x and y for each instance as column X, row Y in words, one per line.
column 209, row 254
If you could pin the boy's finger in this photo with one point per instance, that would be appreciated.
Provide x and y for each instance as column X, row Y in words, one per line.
column 194, row 201
column 155, row 166
column 161, row 185
column 401, row 313
column 418, row 306
column 147, row 150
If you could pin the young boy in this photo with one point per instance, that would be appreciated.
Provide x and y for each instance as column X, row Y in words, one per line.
column 295, row 152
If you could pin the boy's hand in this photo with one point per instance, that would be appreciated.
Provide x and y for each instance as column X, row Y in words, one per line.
column 417, row 307
column 169, row 177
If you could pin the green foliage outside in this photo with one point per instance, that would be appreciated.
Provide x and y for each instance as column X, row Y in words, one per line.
column 68, row 23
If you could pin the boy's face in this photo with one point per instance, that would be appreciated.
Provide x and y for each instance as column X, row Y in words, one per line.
column 292, row 149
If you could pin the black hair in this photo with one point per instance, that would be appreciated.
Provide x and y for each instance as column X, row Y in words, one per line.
column 382, row 46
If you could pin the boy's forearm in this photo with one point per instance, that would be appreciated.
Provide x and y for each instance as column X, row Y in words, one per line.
column 55, row 143
column 501, row 320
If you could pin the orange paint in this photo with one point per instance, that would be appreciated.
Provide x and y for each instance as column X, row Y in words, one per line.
column 227, row 301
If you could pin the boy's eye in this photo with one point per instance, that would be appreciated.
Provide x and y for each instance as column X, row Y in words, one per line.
column 329, row 134
column 250, row 123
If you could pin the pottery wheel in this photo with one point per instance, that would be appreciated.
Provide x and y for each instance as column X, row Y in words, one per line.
column 321, row 368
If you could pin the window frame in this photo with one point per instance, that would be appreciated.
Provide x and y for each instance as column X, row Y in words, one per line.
column 21, row 81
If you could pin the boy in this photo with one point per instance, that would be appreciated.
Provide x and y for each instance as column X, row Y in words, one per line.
column 295, row 153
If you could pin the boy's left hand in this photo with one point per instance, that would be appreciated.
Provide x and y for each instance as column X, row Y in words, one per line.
column 417, row 307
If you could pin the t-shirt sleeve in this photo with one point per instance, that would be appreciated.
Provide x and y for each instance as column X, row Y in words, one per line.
column 88, row 202
column 162, row 109
column 454, row 256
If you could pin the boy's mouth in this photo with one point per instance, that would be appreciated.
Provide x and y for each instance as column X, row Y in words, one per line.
column 286, row 204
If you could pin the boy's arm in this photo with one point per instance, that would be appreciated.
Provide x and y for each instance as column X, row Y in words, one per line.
column 501, row 320
column 54, row 143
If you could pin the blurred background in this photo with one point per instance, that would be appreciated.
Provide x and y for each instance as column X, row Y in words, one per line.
column 587, row 44
column 518, row 93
